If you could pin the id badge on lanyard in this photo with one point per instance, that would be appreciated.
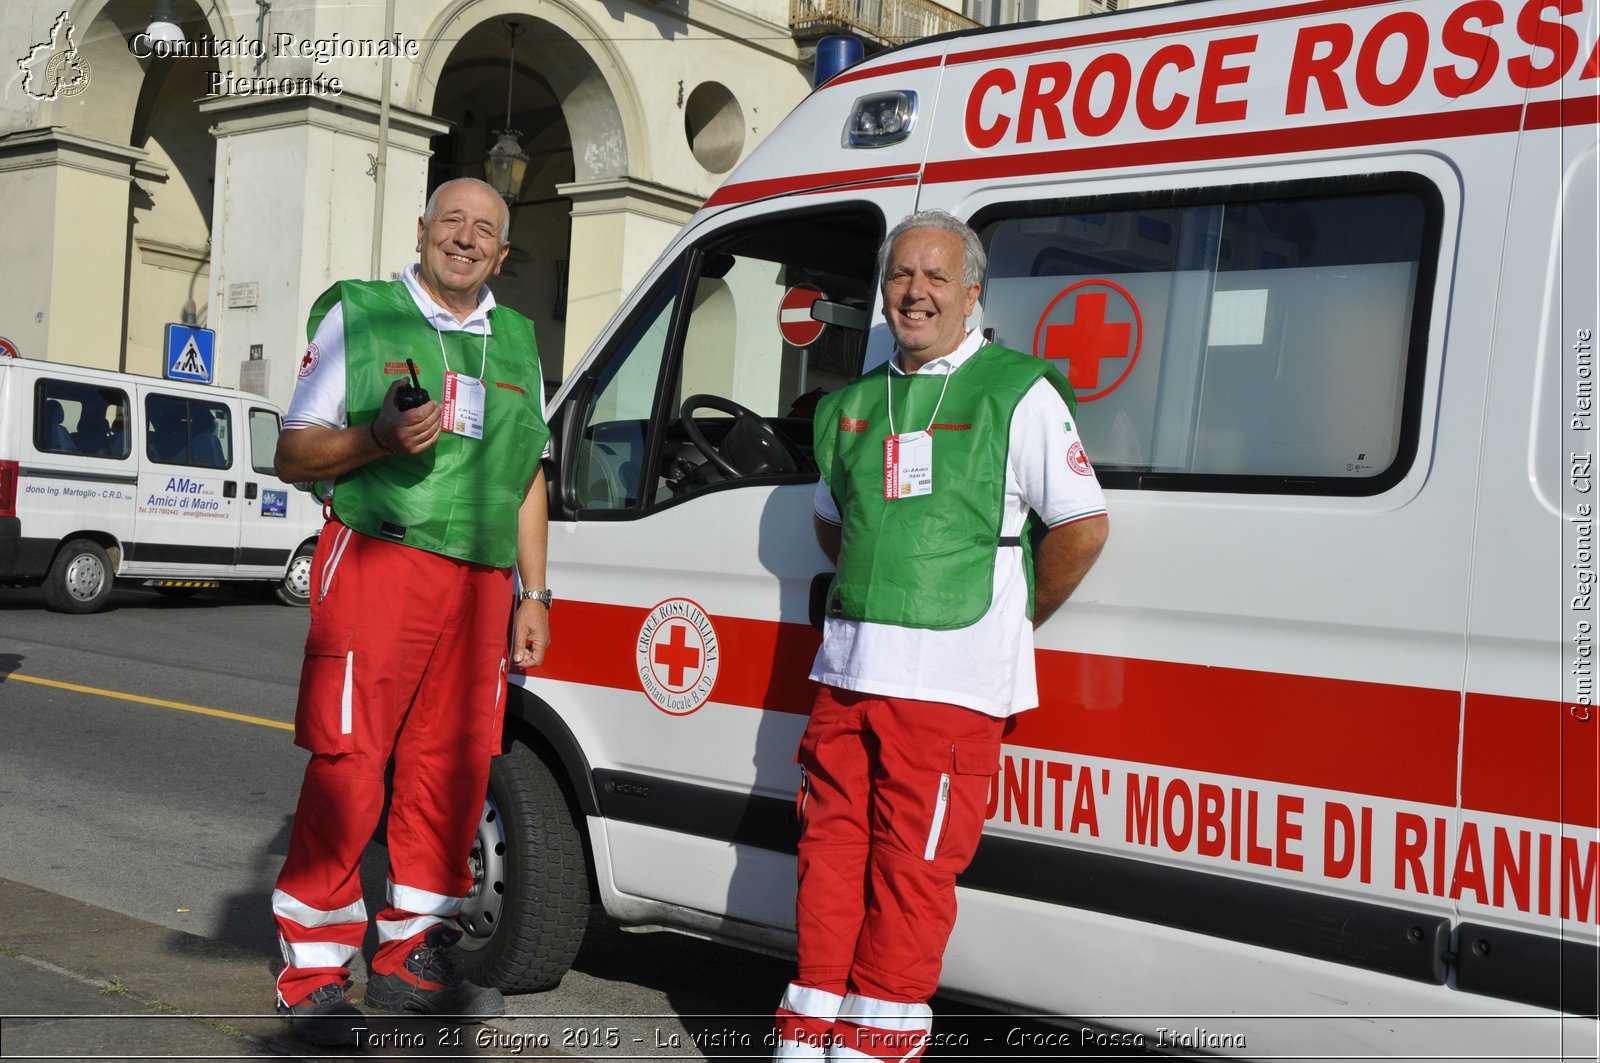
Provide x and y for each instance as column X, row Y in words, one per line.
column 908, row 456
column 463, row 405
column 464, row 396
column 908, row 465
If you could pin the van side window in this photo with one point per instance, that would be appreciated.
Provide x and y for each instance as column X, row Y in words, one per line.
column 708, row 388
column 1239, row 339
column 184, row 431
column 264, row 428
column 70, row 417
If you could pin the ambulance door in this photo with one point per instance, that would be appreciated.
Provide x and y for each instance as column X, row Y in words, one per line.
column 682, row 553
column 276, row 518
column 187, row 519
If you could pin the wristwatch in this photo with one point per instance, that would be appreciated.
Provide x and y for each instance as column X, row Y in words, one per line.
column 544, row 597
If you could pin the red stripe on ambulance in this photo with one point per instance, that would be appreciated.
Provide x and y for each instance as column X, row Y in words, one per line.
column 764, row 665
column 861, row 73
column 1233, row 145
column 744, row 191
column 1296, row 730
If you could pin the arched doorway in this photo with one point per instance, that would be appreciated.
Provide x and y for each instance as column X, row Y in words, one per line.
column 473, row 97
column 120, row 169
column 574, row 105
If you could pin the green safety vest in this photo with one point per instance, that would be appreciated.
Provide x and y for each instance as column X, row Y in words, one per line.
column 460, row 498
column 926, row 561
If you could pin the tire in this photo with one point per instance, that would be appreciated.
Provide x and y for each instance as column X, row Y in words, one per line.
column 528, row 907
column 295, row 587
column 80, row 578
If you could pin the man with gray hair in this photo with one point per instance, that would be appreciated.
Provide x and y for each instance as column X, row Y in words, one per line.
column 437, row 491
column 960, row 510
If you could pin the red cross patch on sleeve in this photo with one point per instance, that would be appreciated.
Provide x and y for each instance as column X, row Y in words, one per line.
column 1078, row 460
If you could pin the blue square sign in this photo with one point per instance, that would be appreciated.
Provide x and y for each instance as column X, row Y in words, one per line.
column 190, row 353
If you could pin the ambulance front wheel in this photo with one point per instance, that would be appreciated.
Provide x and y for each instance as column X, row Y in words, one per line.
column 80, row 578
column 528, row 905
column 295, row 587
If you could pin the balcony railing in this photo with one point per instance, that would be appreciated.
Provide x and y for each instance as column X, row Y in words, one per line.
column 885, row 21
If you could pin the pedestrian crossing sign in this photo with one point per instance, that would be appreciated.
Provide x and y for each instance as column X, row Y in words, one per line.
column 190, row 353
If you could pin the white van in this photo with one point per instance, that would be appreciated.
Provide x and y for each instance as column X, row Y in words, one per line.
column 1315, row 773
column 107, row 476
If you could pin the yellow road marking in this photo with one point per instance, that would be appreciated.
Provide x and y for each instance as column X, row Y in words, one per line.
column 259, row 721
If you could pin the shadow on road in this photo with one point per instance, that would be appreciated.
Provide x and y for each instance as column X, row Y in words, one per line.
column 726, row 1007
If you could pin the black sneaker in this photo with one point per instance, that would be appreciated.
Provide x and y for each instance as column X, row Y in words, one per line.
column 325, row 1018
column 429, row 983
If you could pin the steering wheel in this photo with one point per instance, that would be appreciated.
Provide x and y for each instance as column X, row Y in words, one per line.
column 753, row 446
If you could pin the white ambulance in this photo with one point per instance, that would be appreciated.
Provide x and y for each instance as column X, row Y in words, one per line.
column 107, row 476
column 1315, row 773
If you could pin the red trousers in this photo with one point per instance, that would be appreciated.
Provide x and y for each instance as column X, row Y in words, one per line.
column 406, row 660
column 893, row 801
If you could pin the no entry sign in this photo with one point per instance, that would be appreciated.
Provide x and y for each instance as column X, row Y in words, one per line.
column 794, row 316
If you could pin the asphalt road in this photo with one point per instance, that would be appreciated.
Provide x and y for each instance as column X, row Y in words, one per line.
column 170, row 815
column 148, row 769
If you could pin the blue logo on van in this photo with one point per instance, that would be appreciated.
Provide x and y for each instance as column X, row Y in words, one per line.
column 274, row 503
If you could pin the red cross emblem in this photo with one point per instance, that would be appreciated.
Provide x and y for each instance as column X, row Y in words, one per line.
column 309, row 361
column 1093, row 346
column 676, row 655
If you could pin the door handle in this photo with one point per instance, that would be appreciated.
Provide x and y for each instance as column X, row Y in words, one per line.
column 250, row 489
column 819, row 597
column 230, row 489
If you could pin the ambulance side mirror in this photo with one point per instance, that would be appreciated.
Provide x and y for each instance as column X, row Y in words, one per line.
column 566, row 439
column 841, row 314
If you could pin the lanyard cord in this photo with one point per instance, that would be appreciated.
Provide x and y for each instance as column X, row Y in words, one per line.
column 483, row 364
column 888, row 398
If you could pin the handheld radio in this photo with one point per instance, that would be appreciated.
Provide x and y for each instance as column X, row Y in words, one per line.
column 413, row 394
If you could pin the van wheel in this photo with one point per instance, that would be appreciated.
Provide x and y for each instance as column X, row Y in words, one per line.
column 295, row 587
column 80, row 578
column 526, row 912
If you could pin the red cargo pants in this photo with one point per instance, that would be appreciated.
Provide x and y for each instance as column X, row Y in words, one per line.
column 893, row 801
column 406, row 658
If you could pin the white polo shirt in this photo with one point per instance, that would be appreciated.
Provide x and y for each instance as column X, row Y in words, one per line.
column 988, row 665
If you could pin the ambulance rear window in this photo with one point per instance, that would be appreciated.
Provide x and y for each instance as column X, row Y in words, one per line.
column 1253, row 338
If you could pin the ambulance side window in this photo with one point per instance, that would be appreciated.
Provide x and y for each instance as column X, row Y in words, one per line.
column 777, row 316
column 1238, row 339
column 608, row 467
column 705, row 388
column 184, row 431
column 75, row 418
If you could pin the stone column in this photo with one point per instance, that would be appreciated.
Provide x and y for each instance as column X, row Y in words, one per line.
column 65, row 228
column 293, row 214
column 619, row 226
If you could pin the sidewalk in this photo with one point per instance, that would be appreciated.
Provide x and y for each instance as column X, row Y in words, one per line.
column 80, row 982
